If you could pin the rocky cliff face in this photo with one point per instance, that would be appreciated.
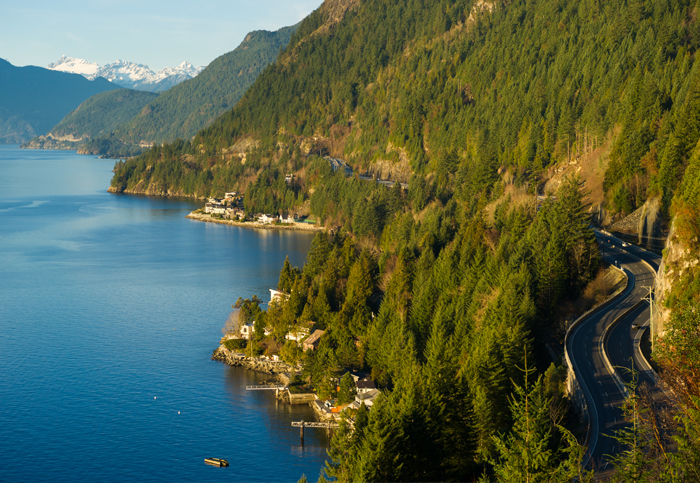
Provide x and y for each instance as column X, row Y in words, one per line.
column 154, row 190
column 646, row 223
column 677, row 261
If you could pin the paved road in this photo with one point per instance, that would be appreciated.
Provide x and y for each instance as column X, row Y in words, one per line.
column 603, row 391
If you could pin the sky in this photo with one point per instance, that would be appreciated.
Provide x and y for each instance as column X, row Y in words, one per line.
column 157, row 33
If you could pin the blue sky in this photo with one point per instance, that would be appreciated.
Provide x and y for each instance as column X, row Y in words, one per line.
column 158, row 33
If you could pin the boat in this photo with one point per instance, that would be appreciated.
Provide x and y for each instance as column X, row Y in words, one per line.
column 222, row 463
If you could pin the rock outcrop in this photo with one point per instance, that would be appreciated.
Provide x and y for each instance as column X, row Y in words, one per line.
column 677, row 260
column 222, row 354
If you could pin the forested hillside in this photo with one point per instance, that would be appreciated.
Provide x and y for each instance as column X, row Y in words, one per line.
column 450, row 88
column 186, row 108
column 97, row 116
column 33, row 99
column 442, row 290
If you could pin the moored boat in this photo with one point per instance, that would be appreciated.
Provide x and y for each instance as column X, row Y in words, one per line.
column 216, row 462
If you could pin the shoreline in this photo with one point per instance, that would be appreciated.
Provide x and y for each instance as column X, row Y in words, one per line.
column 255, row 224
column 283, row 372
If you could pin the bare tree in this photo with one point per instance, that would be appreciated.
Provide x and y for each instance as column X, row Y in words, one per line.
column 233, row 324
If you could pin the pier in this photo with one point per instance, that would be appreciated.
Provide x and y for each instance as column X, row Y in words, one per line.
column 328, row 425
column 266, row 387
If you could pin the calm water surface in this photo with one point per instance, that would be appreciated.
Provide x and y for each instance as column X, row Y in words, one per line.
column 110, row 308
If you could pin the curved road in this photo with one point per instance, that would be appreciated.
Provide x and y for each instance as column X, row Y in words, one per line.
column 602, row 390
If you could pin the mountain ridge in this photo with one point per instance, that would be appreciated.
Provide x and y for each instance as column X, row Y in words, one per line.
column 34, row 99
column 128, row 74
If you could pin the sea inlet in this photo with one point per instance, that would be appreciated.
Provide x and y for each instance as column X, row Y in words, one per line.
column 110, row 308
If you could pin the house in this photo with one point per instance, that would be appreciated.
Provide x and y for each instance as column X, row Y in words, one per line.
column 290, row 219
column 249, row 329
column 288, row 178
column 299, row 332
column 215, row 207
column 366, row 398
column 277, row 296
column 230, row 195
column 267, row 219
column 365, row 385
column 311, row 343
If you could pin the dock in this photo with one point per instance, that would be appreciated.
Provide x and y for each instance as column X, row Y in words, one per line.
column 266, row 387
column 327, row 425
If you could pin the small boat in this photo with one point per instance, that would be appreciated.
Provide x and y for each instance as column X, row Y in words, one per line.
column 222, row 463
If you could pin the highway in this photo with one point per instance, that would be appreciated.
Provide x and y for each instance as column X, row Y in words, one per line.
column 600, row 334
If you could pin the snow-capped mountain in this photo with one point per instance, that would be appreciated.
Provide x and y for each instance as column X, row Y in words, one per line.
column 129, row 74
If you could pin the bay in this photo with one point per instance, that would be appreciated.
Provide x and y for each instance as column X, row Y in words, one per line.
column 110, row 308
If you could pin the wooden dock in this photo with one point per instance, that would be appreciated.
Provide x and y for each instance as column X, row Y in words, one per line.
column 327, row 425
column 315, row 424
column 266, row 387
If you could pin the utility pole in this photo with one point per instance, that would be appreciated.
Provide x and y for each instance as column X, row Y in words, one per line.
column 650, row 298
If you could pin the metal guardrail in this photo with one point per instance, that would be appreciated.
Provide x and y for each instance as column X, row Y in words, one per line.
column 573, row 386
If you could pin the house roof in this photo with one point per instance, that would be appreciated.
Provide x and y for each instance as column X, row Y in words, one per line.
column 365, row 384
column 369, row 395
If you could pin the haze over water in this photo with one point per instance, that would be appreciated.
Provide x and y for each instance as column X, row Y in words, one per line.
column 110, row 308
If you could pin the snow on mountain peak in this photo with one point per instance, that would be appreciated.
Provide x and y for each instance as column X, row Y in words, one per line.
column 74, row 66
column 129, row 74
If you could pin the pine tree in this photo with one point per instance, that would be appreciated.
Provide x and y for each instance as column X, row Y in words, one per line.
column 286, row 277
column 524, row 455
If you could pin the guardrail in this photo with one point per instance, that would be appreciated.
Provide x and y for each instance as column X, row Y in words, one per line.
column 573, row 386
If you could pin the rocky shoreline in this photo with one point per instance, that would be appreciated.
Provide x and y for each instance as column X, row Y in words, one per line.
column 254, row 224
column 280, row 369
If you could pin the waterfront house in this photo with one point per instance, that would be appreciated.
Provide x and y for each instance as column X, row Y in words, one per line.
column 215, row 207
column 366, row 398
column 277, row 296
column 248, row 330
column 365, row 385
column 267, row 219
column 311, row 343
column 299, row 332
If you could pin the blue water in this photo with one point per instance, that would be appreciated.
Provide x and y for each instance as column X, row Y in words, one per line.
column 110, row 308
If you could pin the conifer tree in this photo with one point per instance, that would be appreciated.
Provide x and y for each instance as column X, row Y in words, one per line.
column 524, row 454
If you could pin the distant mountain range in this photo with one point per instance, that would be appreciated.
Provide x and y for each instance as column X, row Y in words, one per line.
column 129, row 74
column 34, row 99
column 100, row 125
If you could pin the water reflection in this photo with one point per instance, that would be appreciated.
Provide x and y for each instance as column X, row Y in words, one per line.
column 278, row 415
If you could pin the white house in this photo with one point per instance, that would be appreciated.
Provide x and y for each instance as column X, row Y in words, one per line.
column 267, row 219
column 366, row 398
column 277, row 296
column 300, row 332
column 290, row 219
column 249, row 329
column 215, row 208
